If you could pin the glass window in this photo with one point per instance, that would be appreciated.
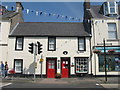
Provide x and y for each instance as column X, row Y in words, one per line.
column 112, row 4
column 112, row 32
column 81, row 44
column 112, row 10
column 113, row 63
column 51, row 64
column 19, row 43
column 51, row 43
column 18, row 66
column 81, row 65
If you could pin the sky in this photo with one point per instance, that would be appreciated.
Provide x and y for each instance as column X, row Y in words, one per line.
column 63, row 9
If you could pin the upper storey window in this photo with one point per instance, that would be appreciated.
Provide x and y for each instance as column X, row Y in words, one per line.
column 110, row 8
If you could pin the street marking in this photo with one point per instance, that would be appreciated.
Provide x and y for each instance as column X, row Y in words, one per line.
column 5, row 85
column 97, row 84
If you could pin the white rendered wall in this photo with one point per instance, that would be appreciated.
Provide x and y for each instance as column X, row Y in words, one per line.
column 69, row 44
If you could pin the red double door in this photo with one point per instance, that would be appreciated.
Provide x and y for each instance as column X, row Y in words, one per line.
column 52, row 67
column 65, row 67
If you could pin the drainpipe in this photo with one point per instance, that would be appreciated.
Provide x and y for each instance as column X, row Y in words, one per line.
column 90, row 55
column 94, row 45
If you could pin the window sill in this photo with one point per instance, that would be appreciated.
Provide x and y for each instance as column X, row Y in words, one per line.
column 113, row 39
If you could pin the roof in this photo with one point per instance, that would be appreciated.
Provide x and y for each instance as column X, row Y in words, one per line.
column 49, row 29
column 95, row 11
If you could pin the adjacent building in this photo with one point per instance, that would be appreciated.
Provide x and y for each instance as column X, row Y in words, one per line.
column 104, row 22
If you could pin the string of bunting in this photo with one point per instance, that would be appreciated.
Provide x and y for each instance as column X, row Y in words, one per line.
column 39, row 13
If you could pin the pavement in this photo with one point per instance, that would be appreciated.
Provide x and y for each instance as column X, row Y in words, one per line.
column 81, row 82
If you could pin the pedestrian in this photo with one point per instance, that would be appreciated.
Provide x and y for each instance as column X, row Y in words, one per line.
column 2, row 69
column 6, row 69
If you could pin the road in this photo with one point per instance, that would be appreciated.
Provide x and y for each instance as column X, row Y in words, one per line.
column 83, row 83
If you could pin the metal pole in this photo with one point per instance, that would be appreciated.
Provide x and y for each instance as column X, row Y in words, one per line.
column 34, row 58
column 105, row 60
column 41, row 69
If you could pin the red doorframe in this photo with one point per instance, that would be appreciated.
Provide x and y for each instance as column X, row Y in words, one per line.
column 63, row 59
column 47, row 59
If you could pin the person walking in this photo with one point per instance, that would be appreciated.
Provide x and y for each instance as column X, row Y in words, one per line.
column 6, row 69
column 2, row 69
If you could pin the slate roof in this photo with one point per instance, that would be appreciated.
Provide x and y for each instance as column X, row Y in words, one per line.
column 95, row 11
column 49, row 29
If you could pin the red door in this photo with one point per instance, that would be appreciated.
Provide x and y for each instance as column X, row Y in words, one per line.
column 51, row 68
column 65, row 67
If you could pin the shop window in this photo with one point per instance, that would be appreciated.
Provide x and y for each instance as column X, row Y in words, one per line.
column 81, row 65
column 19, row 43
column 113, row 63
column 18, row 65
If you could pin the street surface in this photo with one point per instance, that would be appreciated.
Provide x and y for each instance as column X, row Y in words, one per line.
column 88, row 83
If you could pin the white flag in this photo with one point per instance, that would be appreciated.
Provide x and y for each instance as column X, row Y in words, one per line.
column 28, row 11
column 37, row 13
column 6, row 7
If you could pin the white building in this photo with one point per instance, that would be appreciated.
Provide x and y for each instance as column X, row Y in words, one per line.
column 8, row 19
column 104, row 22
column 65, row 49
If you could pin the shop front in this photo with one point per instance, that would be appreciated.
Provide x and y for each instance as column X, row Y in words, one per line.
column 112, row 59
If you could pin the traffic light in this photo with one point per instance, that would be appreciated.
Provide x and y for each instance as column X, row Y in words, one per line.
column 39, row 47
column 31, row 48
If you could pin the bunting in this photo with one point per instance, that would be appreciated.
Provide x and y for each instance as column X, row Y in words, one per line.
column 39, row 13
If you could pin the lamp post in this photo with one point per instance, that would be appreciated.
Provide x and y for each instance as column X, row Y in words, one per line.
column 105, row 60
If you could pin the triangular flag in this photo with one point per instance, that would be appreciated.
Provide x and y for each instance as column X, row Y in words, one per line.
column 37, row 13
column 40, row 13
column 58, row 16
column 28, row 11
column 6, row 7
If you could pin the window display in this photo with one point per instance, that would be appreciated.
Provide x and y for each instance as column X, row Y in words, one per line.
column 81, row 65
column 113, row 63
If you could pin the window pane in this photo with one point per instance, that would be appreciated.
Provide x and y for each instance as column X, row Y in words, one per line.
column 51, row 43
column 81, row 44
column 112, row 35
column 19, row 43
column 81, row 65
column 112, row 10
column 111, row 27
column 112, row 4
column 18, row 66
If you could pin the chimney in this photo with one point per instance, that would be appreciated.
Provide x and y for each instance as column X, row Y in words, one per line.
column 86, row 4
column 19, row 7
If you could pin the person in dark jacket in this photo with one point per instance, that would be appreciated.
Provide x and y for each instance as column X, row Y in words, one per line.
column 6, row 69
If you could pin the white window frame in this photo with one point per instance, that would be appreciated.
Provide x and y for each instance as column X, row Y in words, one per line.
column 81, row 65
column 18, row 66
column 113, row 31
column 19, row 45
column 81, row 42
column 53, row 43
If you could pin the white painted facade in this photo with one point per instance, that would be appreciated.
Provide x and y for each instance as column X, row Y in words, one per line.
column 99, row 32
column 69, row 44
column 5, row 27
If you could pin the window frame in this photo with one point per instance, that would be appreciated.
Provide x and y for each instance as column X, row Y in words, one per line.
column 84, row 43
column 16, row 49
column 54, row 44
column 115, row 31
column 21, row 65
